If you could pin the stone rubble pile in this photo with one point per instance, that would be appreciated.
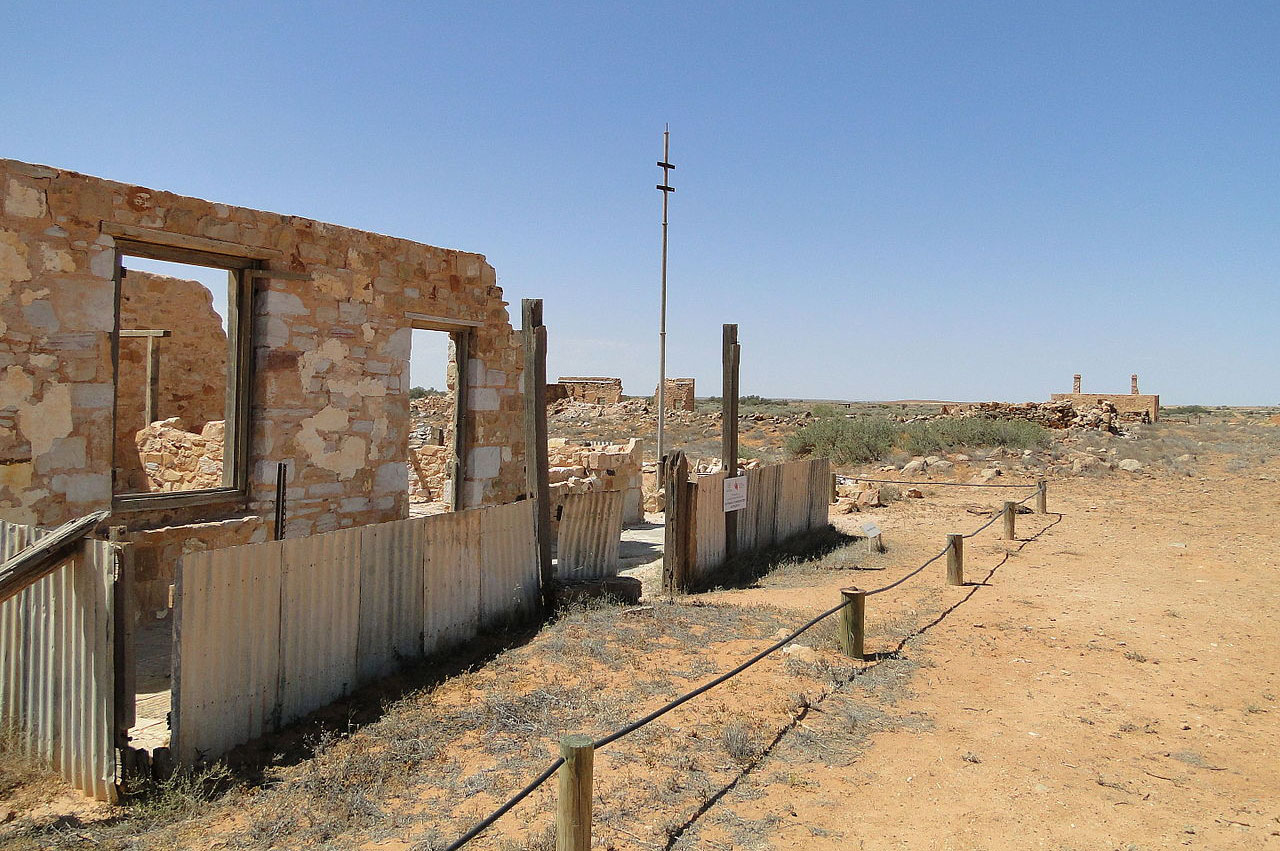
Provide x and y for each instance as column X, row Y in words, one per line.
column 174, row 459
column 430, row 449
column 583, row 467
column 1054, row 415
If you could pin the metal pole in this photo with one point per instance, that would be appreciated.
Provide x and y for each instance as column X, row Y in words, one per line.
column 666, row 189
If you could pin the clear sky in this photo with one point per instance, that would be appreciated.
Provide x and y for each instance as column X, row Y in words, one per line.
column 893, row 200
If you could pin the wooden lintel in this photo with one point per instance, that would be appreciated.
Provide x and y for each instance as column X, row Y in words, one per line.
column 193, row 243
column 145, row 333
column 440, row 323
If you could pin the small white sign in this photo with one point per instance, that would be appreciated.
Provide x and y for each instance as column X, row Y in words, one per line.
column 870, row 529
column 735, row 494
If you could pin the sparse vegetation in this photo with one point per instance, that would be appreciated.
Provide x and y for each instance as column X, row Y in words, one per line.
column 862, row 439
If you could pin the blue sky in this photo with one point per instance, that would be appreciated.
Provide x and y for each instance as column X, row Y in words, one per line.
column 893, row 200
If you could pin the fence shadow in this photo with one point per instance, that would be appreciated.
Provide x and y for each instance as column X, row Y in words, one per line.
column 743, row 571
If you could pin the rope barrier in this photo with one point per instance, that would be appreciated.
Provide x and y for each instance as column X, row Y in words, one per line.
column 929, row 483
column 705, row 687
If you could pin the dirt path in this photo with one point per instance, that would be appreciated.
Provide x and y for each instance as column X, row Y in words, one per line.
column 1114, row 684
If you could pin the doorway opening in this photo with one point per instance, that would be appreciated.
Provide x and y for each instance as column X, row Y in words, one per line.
column 433, row 422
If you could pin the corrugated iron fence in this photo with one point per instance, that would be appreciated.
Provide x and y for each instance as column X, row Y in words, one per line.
column 268, row 632
column 782, row 500
column 590, row 531
column 57, row 670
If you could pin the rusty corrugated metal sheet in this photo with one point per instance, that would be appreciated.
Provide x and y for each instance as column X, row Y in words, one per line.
column 267, row 633
column 57, row 675
column 709, row 546
column 590, row 531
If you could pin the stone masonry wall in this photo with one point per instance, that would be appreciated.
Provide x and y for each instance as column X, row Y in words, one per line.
column 583, row 467
column 1131, row 404
column 596, row 391
column 192, row 383
column 679, row 395
column 330, row 356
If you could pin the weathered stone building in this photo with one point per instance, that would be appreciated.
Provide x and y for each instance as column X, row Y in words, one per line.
column 318, row 328
column 593, row 390
column 1129, row 406
column 679, row 395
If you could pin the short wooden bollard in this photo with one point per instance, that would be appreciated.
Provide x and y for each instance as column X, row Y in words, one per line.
column 955, row 559
column 852, row 618
column 1042, row 497
column 573, row 808
column 1010, row 515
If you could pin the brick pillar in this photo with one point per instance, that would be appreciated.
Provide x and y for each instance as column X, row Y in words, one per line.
column 1133, row 384
column 1075, row 383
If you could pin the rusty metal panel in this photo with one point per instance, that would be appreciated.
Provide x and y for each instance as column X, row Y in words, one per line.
column 391, row 608
column 590, row 532
column 57, row 674
column 226, row 660
column 508, row 560
column 319, row 621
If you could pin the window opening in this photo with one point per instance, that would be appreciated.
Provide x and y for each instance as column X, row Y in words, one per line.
column 174, row 376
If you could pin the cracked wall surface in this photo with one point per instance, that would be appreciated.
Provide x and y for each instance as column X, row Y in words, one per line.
column 330, row 357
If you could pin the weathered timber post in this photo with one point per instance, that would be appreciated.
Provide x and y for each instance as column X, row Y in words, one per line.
column 1010, row 513
column 675, row 548
column 852, row 620
column 125, row 659
column 282, row 485
column 730, row 355
column 573, row 807
column 835, row 492
column 536, row 462
column 1042, row 497
column 955, row 559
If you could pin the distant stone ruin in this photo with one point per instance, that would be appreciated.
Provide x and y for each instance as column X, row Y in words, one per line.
column 679, row 395
column 592, row 390
column 1130, row 406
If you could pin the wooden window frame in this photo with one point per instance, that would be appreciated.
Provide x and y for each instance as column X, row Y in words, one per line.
column 245, row 264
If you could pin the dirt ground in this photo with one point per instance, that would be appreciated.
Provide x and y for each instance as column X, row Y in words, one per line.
column 1106, row 681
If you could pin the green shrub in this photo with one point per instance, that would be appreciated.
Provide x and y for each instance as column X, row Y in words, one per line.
column 851, row 441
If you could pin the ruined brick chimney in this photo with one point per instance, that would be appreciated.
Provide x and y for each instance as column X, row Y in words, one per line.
column 1133, row 384
column 1075, row 383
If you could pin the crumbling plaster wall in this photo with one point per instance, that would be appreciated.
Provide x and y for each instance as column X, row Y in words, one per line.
column 330, row 378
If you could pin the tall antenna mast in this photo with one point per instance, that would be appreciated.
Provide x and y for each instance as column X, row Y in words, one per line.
column 666, row 189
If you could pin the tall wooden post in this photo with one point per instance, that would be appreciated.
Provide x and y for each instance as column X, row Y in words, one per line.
column 1042, row 497
column 573, row 806
column 537, row 482
column 675, row 548
column 852, row 622
column 125, row 659
column 730, row 356
column 1010, row 513
column 955, row 559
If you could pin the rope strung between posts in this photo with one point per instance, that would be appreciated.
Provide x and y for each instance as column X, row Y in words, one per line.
column 929, row 483
column 705, row 687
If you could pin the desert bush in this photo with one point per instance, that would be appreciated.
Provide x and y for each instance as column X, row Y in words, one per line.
column 851, row 441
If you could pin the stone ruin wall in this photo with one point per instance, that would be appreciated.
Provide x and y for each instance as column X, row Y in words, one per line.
column 593, row 391
column 191, row 392
column 330, row 357
column 679, row 395
column 431, row 450
column 1130, row 406
column 584, row 466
